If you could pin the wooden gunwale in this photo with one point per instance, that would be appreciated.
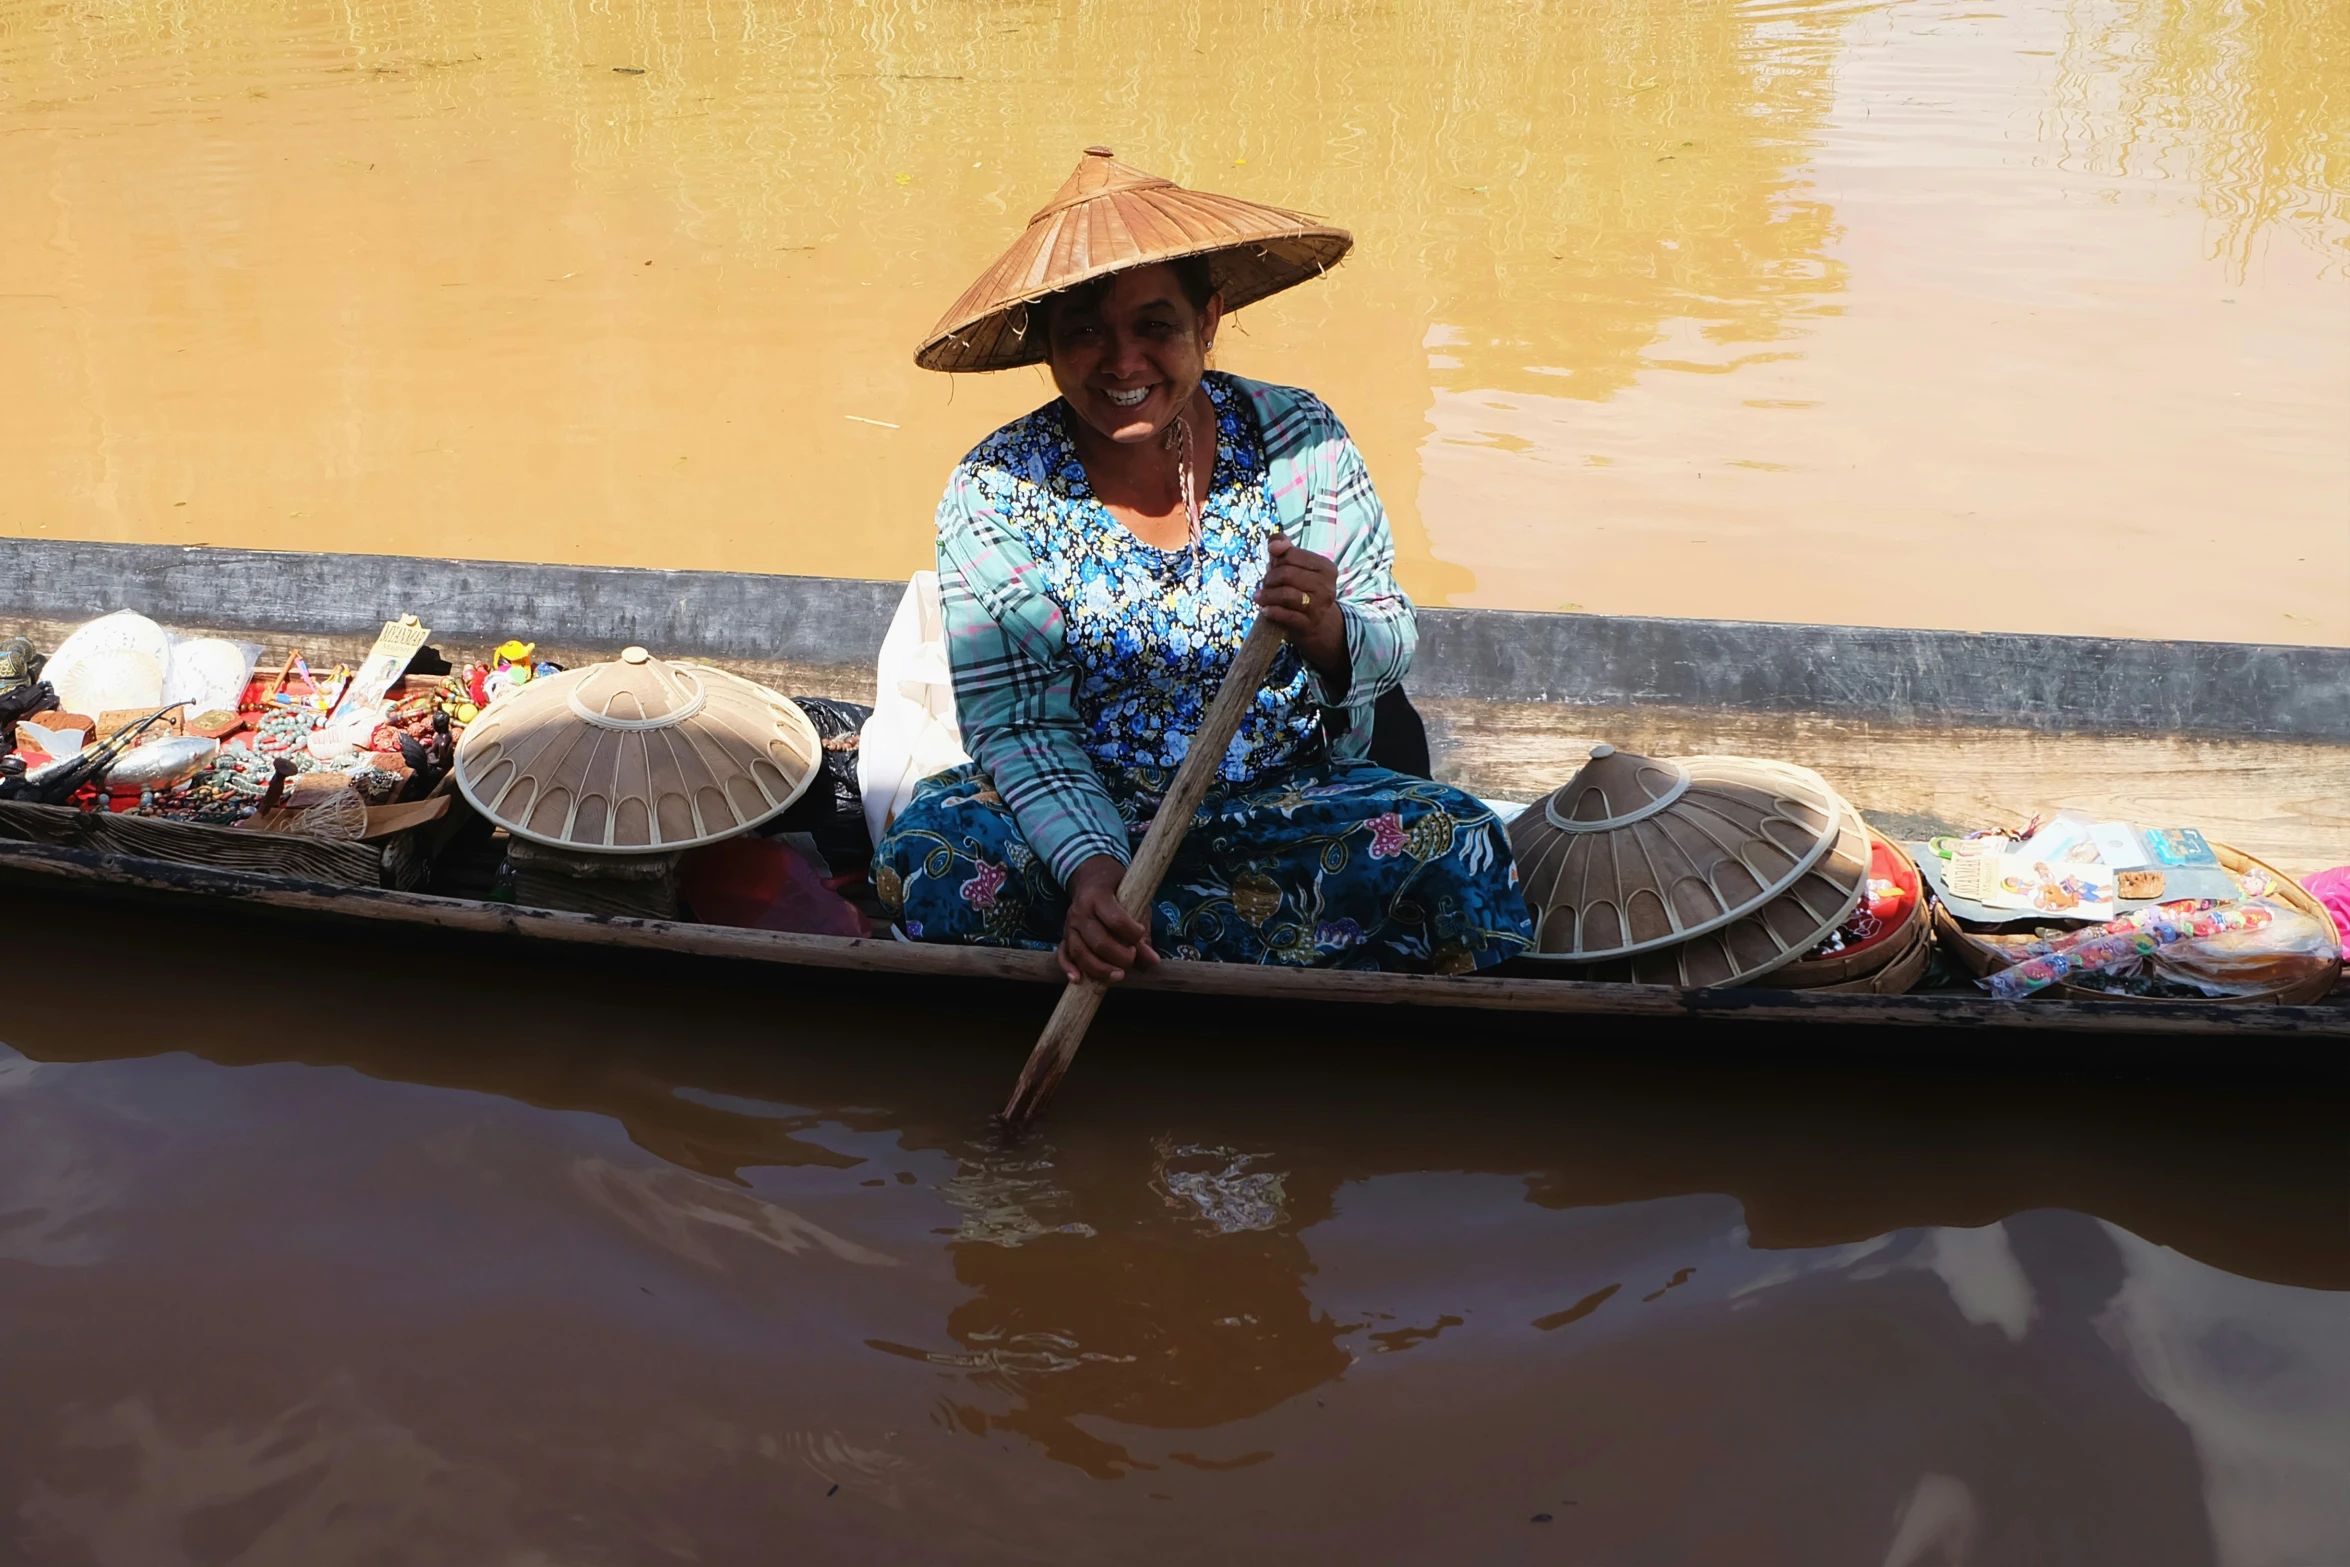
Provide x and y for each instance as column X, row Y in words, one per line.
column 29, row 863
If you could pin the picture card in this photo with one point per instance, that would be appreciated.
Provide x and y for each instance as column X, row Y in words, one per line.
column 2062, row 889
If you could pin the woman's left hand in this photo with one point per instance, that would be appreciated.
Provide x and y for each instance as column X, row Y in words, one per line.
column 1300, row 596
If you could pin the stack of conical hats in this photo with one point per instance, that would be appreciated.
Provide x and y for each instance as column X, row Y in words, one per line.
column 1109, row 216
column 636, row 757
column 1700, row 871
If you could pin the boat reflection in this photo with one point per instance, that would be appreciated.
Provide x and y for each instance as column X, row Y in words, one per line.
column 1573, row 1275
column 1818, row 1149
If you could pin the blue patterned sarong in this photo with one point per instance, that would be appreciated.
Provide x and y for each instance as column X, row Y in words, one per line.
column 1331, row 862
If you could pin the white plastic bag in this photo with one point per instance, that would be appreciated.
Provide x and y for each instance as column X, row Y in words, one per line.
column 912, row 732
column 209, row 674
column 114, row 662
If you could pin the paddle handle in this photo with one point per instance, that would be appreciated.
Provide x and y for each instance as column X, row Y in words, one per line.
column 1057, row 1046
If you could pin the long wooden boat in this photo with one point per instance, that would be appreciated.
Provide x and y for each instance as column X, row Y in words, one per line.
column 1921, row 728
column 33, row 872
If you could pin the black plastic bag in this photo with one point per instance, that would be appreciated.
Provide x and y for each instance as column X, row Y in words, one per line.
column 833, row 810
column 25, row 701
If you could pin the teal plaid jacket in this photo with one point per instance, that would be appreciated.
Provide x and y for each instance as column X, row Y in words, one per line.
column 1014, row 678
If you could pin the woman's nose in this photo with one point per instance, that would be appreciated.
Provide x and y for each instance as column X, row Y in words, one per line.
column 1127, row 359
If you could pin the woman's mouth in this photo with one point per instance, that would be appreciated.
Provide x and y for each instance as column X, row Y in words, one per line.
column 1133, row 399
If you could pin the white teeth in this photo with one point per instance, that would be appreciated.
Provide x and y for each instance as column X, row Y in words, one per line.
column 1131, row 399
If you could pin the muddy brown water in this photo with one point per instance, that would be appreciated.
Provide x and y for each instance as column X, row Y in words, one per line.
column 2015, row 316
column 496, row 1263
column 1996, row 314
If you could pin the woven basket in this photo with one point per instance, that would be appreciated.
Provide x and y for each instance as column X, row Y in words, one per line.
column 1981, row 953
column 1900, row 973
column 637, row 886
column 1886, row 968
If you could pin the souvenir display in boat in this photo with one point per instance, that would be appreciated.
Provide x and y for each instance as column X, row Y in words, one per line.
column 2189, row 920
column 1694, row 872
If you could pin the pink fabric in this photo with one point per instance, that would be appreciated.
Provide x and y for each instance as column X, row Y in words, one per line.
column 2332, row 888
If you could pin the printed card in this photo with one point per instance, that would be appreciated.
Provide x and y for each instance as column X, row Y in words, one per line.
column 2062, row 889
column 1971, row 861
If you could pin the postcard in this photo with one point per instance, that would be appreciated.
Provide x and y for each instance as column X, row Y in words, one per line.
column 386, row 662
column 2063, row 889
column 1971, row 860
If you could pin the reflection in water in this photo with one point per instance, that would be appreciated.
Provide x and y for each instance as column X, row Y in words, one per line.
column 325, row 1480
column 593, row 1276
column 2262, row 1386
column 1752, row 308
column 1158, row 1317
column 1635, row 169
column 1986, row 1284
column 2249, row 97
column 57, row 1175
column 680, row 1211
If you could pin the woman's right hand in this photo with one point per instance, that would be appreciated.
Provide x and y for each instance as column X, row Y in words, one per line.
column 1101, row 941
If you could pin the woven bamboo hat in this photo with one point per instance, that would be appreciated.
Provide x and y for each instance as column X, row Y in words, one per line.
column 1706, row 870
column 1109, row 217
column 637, row 757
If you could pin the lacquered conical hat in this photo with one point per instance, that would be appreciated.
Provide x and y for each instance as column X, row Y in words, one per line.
column 636, row 757
column 1706, row 870
column 1108, row 217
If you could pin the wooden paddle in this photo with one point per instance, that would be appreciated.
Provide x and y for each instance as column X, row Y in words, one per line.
column 1057, row 1046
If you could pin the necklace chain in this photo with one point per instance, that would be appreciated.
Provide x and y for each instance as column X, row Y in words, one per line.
column 1187, row 484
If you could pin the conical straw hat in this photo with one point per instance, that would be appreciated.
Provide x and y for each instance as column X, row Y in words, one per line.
column 1707, row 870
column 1107, row 218
column 636, row 757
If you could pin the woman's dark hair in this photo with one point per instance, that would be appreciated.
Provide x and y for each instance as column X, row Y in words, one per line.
column 1193, row 275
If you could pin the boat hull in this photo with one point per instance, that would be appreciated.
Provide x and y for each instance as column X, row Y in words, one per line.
column 880, row 966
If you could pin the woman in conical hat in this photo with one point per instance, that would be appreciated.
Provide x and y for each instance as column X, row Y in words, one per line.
column 1100, row 562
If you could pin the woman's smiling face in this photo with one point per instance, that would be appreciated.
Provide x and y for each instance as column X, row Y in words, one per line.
column 1129, row 359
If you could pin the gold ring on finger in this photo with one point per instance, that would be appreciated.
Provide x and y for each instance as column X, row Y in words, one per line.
column 1305, row 600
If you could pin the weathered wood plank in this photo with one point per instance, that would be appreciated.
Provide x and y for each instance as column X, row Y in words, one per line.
column 1906, row 675
column 2288, row 804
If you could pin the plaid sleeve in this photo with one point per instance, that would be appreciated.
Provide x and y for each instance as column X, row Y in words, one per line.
column 1324, row 493
column 1015, row 684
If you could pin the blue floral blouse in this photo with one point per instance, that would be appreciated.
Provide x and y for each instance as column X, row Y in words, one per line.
column 1150, row 631
column 1084, row 658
